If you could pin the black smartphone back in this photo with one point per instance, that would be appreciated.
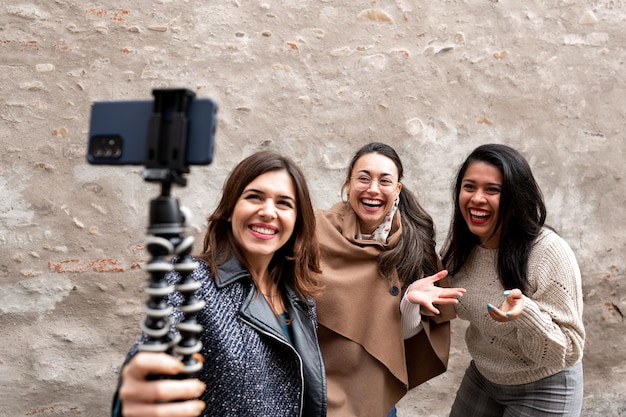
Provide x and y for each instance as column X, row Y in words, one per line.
column 118, row 132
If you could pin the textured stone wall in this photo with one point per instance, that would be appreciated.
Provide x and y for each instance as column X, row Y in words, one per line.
column 315, row 79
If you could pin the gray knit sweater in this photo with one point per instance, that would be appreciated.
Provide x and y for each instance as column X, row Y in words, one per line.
column 548, row 336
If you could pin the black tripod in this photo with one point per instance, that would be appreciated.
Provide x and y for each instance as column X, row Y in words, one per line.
column 166, row 164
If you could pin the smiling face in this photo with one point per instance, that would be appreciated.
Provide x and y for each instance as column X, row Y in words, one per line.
column 372, row 201
column 479, row 202
column 264, row 217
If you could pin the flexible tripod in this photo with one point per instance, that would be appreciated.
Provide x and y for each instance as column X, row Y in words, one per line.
column 166, row 164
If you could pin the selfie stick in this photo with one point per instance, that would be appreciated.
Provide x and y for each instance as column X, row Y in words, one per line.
column 165, row 163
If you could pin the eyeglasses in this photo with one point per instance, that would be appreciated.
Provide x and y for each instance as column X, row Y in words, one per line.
column 363, row 182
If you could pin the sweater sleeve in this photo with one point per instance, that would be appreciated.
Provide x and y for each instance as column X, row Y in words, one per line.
column 550, row 329
column 411, row 318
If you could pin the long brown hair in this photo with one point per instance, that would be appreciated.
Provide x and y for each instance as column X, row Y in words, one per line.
column 294, row 262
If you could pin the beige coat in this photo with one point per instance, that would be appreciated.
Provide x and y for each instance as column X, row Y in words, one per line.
column 369, row 366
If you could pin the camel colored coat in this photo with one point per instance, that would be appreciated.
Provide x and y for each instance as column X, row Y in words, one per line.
column 369, row 366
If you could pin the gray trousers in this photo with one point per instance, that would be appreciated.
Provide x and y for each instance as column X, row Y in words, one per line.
column 557, row 395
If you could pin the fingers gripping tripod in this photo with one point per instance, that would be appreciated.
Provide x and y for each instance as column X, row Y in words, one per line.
column 165, row 164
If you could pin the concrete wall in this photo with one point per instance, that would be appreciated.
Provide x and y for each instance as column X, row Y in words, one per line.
column 315, row 79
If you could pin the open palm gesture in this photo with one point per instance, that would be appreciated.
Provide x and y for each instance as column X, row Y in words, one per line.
column 425, row 293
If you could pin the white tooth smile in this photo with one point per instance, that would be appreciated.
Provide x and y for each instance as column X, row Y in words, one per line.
column 263, row 230
column 479, row 213
column 371, row 202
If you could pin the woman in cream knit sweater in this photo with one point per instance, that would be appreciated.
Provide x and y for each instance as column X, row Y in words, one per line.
column 523, row 295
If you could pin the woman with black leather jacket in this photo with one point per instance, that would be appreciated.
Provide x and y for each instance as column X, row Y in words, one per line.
column 258, row 335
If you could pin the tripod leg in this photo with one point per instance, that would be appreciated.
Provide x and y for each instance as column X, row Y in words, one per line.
column 188, row 327
column 158, row 312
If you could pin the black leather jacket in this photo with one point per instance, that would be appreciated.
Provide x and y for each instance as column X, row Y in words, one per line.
column 251, row 368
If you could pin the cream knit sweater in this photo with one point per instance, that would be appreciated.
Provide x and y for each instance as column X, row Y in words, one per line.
column 548, row 336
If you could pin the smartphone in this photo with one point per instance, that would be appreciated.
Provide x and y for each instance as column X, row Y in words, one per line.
column 118, row 132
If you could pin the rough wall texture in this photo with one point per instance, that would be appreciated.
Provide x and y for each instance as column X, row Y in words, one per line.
column 315, row 79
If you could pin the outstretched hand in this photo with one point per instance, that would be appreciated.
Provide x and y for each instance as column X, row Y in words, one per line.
column 425, row 293
column 163, row 397
column 511, row 309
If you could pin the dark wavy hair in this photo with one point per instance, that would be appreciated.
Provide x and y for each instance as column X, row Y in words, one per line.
column 415, row 255
column 299, row 257
column 521, row 216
